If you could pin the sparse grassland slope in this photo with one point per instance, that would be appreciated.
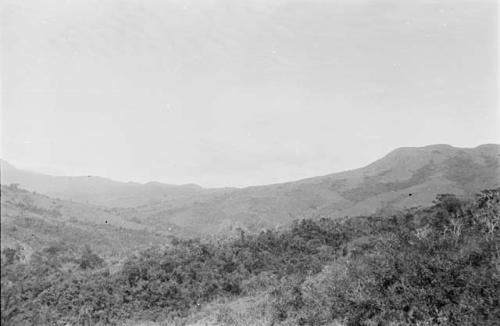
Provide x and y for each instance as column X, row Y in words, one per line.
column 32, row 221
column 406, row 177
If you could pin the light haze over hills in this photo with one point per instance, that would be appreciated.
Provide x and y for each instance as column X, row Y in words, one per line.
column 404, row 178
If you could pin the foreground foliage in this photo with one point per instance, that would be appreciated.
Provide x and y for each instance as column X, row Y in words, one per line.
column 432, row 266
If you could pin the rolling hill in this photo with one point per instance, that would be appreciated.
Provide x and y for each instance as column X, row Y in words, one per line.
column 34, row 221
column 406, row 177
column 97, row 190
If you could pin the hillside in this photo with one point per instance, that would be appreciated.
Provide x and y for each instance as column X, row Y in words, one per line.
column 33, row 221
column 406, row 177
column 429, row 266
column 96, row 190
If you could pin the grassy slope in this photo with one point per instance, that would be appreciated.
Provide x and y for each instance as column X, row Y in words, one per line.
column 33, row 221
column 406, row 177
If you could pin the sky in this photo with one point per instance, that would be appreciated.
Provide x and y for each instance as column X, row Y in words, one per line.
column 239, row 93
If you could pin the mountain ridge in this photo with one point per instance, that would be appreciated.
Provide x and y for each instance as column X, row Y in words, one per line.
column 402, row 179
column 95, row 189
column 4, row 163
column 405, row 177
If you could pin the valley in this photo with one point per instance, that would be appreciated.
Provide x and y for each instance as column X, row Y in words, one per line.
column 329, row 250
column 406, row 177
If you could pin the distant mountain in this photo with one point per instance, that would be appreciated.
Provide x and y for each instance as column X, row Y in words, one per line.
column 97, row 190
column 406, row 177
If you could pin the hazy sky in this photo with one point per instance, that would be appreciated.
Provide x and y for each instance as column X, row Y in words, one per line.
column 235, row 93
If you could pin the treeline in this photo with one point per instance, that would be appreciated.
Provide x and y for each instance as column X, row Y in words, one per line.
column 432, row 266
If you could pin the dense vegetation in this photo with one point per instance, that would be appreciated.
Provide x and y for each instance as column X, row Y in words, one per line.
column 428, row 266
